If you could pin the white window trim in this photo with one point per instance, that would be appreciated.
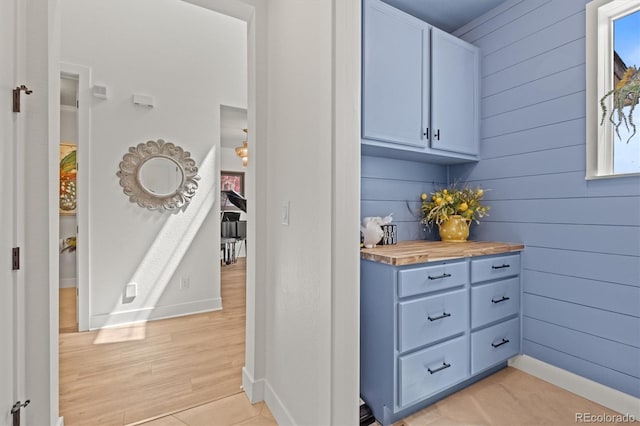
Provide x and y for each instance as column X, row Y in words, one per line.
column 600, row 15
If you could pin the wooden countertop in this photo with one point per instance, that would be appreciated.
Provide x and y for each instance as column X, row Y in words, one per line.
column 412, row 252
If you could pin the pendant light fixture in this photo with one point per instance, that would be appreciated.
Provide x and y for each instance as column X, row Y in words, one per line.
column 243, row 151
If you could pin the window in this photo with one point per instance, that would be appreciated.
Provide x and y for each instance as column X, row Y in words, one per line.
column 613, row 58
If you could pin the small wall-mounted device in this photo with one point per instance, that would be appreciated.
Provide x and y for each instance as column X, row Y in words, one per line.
column 100, row 91
column 143, row 100
column 285, row 213
column 131, row 290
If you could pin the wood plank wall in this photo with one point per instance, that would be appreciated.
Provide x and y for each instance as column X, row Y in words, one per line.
column 582, row 259
column 386, row 186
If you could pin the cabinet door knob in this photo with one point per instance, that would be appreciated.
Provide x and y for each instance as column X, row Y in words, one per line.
column 503, row 299
column 444, row 365
column 426, row 133
column 437, row 135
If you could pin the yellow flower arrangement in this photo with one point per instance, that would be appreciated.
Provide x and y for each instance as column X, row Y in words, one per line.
column 448, row 202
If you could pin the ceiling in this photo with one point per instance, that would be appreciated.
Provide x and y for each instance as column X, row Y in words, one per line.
column 448, row 15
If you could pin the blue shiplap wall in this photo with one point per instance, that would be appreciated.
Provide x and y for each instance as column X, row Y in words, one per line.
column 582, row 258
column 387, row 185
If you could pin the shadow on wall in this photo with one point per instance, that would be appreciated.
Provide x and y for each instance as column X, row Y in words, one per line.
column 168, row 249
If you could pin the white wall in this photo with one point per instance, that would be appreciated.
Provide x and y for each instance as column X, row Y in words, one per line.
column 302, row 279
column 38, row 229
column 191, row 60
column 298, row 311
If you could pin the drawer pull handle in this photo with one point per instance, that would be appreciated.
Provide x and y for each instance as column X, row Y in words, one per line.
column 504, row 342
column 504, row 299
column 445, row 275
column 504, row 265
column 444, row 315
column 444, row 365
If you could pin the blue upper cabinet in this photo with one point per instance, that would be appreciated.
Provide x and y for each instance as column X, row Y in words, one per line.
column 455, row 94
column 405, row 63
column 395, row 81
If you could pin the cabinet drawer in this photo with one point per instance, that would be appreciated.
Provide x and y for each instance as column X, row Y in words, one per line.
column 494, row 301
column 432, row 278
column 432, row 318
column 494, row 344
column 494, row 267
column 431, row 370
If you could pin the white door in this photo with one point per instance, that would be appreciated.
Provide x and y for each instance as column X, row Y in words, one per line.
column 11, row 296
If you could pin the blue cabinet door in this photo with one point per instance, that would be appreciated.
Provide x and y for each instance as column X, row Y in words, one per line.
column 455, row 93
column 395, row 106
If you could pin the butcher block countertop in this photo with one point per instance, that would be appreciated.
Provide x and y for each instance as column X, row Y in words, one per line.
column 412, row 252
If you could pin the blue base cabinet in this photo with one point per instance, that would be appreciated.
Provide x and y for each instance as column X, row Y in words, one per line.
column 420, row 89
column 430, row 329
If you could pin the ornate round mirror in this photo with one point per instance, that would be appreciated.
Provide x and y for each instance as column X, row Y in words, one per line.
column 158, row 175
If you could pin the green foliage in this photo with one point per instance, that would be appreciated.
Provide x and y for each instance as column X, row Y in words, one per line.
column 626, row 93
column 68, row 163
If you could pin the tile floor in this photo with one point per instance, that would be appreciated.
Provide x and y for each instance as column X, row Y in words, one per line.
column 235, row 410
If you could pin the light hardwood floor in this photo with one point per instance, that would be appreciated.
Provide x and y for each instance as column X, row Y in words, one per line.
column 128, row 374
column 507, row 398
column 235, row 410
column 67, row 318
column 189, row 369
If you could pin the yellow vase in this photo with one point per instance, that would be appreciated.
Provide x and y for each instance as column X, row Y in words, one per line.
column 455, row 229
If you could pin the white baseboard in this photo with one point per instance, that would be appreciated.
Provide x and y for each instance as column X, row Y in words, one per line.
column 277, row 408
column 596, row 392
column 253, row 388
column 261, row 390
column 67, row 282
column 154, row 313
column 60, row 421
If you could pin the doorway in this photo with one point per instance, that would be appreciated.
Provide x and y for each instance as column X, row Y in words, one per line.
column 73, row 197
column 233, row 165
column 130, row 124
column 68, row 300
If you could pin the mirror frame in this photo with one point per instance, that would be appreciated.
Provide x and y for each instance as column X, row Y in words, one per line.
column 137, row 156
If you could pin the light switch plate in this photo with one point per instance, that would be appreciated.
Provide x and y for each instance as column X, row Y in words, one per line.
column 131, row 290
column 285, row 213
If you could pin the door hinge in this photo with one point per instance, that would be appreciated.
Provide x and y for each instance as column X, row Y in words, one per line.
column 16, row 96
column 15, row 258
column 15, row 411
